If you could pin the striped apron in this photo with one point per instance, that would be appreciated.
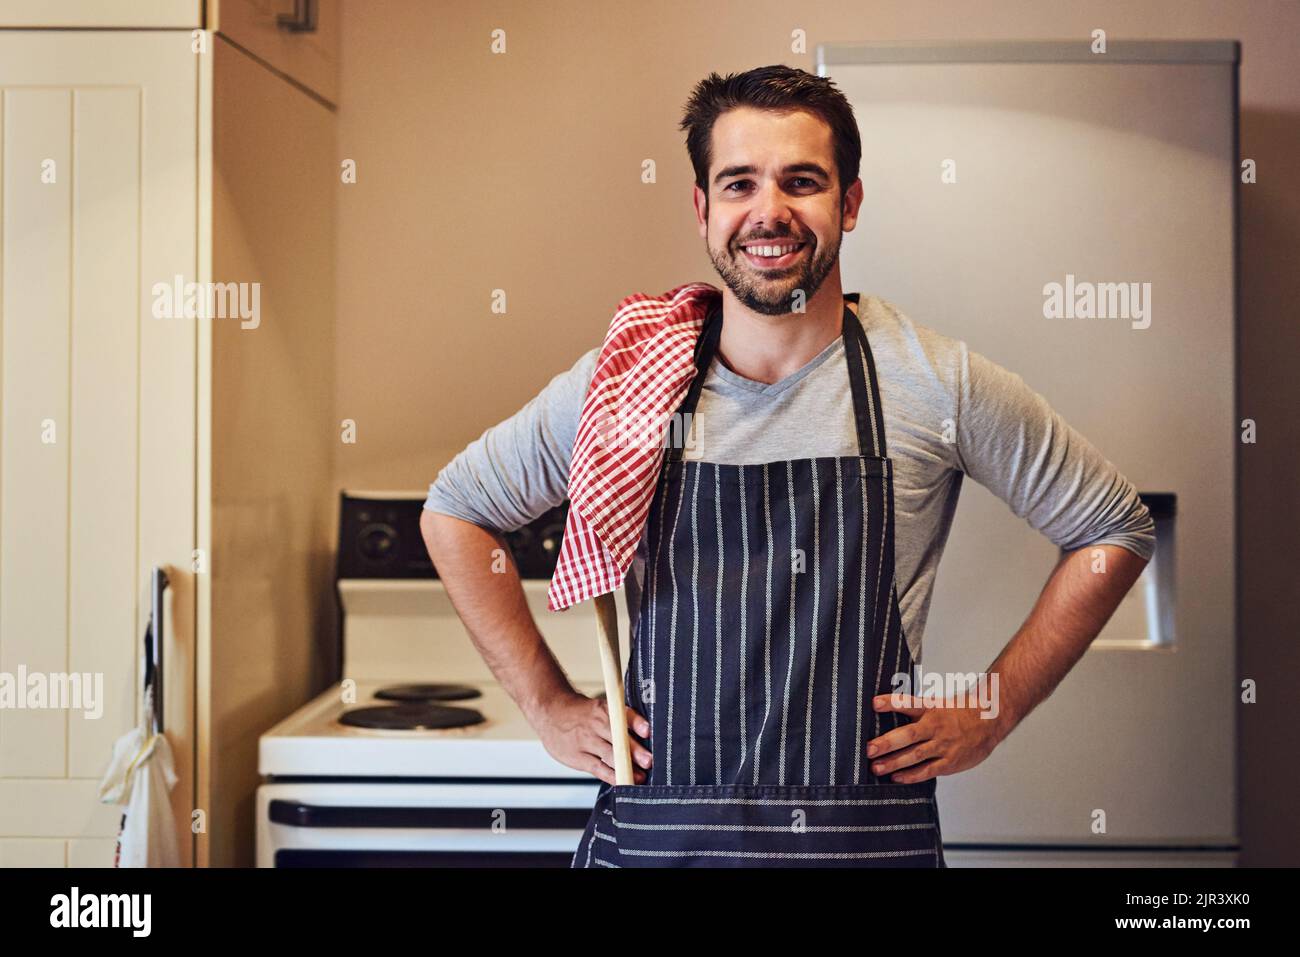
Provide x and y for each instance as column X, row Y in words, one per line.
column 768, row 620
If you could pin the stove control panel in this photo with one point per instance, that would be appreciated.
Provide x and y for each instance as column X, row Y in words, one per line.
column 379, row 537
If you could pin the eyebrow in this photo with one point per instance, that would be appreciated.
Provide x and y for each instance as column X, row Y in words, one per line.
column 729, row 171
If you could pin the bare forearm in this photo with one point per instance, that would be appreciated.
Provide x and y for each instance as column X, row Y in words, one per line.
column 483, row 584
column 1074, row 605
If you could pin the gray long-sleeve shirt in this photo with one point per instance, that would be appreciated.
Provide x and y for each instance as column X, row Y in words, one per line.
column 948, row 412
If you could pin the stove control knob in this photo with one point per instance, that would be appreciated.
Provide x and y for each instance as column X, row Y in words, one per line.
column 552, row 536
column 378, row 543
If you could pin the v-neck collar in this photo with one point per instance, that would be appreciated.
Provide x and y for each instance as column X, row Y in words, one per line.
column 782, row 385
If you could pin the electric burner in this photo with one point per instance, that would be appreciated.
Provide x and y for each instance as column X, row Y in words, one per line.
column 419, row 716
column 428, row 692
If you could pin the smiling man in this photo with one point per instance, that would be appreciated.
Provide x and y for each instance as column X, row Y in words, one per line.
column 786, row 564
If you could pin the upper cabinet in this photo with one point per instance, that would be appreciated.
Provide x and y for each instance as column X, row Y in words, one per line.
column 298, row 38
column 157, row 14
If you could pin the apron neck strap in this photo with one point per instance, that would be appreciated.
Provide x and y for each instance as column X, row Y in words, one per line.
column 867, row 413
column 868, row 417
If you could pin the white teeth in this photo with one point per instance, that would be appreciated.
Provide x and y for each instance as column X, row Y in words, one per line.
column 771, row 251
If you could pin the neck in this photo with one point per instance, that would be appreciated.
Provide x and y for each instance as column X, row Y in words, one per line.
column 768, row 348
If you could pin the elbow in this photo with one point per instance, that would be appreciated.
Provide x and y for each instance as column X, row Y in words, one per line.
column 429, row 531
column 446, row 535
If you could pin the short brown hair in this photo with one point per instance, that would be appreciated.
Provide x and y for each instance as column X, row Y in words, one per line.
column 779, row 88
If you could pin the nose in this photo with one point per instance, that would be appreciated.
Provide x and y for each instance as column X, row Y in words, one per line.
column 770, row 211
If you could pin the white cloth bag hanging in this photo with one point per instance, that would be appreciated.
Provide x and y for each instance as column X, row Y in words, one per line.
column 140, row 777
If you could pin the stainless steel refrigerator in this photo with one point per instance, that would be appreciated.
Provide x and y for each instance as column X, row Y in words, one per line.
column 991, row 171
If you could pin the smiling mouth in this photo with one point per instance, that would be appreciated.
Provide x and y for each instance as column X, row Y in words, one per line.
column 774, row 255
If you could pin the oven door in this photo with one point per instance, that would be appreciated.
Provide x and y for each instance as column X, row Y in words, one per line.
column 400, row 824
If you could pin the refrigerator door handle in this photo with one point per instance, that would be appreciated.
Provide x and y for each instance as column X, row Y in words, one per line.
column 153, row 645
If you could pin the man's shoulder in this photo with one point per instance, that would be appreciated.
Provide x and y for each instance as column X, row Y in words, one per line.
column 881, row 316
column 902, row 344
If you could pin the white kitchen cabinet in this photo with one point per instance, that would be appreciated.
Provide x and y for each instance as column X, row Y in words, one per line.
column 154, row 14
column 129, row 441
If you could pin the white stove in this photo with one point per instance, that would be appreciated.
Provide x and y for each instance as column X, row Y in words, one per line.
column 453, row 775
column 313, row 742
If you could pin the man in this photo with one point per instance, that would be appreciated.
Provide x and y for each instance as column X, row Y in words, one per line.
column 786, row 565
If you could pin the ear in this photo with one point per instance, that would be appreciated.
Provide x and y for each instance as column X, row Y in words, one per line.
column 701, row 210
column 852, row 203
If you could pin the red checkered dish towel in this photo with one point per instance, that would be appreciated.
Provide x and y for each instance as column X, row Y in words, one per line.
column 642, row 374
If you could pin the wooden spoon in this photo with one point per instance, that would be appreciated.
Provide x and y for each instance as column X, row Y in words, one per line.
column 612, row 670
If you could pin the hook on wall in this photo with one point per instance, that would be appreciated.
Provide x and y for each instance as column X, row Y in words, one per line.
column 302, row 20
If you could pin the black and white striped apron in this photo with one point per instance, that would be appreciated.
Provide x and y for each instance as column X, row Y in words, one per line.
column 768, row 620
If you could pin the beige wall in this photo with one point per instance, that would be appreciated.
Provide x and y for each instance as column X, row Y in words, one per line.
column 522, row 172
column 274, row 180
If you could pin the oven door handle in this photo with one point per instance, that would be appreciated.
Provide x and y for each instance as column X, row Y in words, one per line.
column 299, row 814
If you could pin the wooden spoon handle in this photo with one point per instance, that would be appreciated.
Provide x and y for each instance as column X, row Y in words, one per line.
column 612, row 669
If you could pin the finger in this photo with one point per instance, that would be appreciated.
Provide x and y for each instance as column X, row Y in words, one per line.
column 602, row 745
column 607, row 773
column 637, row 723
column 598, row 768
column 898, row 738
column 905, row 758
column 599, row 742
column 641, row 756
column 903, row 704
column 634, row 723
column 921, row 772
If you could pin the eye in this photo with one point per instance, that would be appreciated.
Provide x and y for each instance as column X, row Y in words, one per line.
column 809, row 183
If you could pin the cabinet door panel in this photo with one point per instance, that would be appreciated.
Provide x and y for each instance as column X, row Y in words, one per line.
column 97, row 437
